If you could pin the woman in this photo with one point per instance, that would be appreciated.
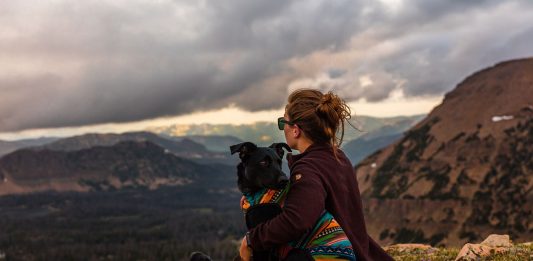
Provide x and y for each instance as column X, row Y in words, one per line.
column 322, row 177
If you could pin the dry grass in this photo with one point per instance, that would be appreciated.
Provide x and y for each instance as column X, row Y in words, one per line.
column 519, row 252
column 440, row 254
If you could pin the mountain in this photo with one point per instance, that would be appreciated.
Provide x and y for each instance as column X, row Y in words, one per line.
column 265, row 133
column 185, row 147
column 392, row 126
column 359, row 148
column 94, row 139
column 128, row 164
column 10, row 146
column 216, row 143
column 463, row 172
column 36, row 141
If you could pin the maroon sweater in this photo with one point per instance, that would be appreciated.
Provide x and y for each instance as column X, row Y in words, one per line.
column 318, row 182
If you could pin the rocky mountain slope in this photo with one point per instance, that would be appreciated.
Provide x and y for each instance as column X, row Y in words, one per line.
column 463, row 172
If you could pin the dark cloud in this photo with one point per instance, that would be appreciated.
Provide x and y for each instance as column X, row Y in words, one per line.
column 336, row 73
column 433, row 46
column 79, row 63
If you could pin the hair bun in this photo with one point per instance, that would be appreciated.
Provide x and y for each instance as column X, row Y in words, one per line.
column 327, row 98
column 328, row 101
column 333, row 108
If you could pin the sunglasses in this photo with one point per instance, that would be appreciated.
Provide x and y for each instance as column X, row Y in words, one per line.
column 282, row 121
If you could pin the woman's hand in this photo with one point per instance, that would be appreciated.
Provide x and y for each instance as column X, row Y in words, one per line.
column 245, row 252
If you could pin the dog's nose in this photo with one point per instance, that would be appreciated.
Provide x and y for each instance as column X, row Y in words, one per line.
column 283, row 179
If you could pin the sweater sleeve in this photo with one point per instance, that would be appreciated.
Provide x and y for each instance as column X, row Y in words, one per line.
column 303, row 206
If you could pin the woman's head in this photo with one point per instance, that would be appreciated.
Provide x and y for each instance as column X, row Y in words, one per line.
column 319, row 116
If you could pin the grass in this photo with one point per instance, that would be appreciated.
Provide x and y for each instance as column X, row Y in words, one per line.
column 518, row 252
column 438, row 254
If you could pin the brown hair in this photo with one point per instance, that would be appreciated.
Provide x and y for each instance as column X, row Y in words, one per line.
column 320, row 116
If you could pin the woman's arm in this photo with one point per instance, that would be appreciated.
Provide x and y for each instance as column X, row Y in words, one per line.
column 303, row 206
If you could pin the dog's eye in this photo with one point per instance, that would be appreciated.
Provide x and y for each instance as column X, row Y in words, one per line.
column 263, row 163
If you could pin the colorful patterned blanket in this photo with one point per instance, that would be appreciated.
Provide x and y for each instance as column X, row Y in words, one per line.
column 326, row 241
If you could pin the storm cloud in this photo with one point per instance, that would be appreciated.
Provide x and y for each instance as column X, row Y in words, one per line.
column 72, row 63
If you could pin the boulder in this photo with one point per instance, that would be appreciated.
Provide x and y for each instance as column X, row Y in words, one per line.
column 497, row 241
column 493, row 244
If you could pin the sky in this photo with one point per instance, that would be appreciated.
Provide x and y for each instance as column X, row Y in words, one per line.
column 69, row 67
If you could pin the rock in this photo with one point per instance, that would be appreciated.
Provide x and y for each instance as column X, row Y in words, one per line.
column 497, row 241
column 475, row 251
column 493, row 244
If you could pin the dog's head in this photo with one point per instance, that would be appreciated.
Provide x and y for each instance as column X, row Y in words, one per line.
column 260, row 167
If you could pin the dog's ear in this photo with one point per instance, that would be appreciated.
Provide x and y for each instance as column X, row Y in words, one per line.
column 244, row 148
column 279, row 148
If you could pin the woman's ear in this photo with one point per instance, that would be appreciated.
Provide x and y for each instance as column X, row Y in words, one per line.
column 296, row 131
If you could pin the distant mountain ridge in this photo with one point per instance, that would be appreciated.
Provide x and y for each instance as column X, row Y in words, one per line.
column 359, row 148
column 134, row 164
column 184, row 147
column 463, row 172
column 89, row 140
column 215, row 143
column 265, row 133
column 10, row 146
column 214, row 137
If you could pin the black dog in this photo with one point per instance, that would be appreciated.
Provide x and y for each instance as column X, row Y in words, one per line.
column 259, row 170
column 258, row 173
column 264, row 187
